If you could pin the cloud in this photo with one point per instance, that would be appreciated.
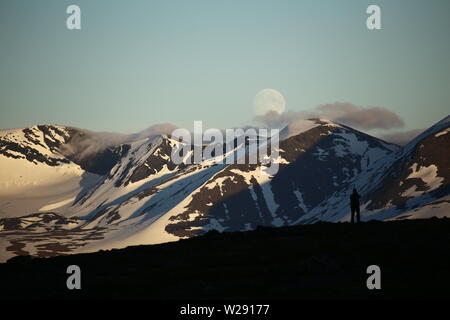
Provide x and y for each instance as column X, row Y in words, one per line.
column 157, row 129
column 273, row 119
column 362, row 117
column 365, row 118
column 86, row 142
column 403, row 137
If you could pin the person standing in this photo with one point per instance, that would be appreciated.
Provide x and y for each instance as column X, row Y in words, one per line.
column 354, row 205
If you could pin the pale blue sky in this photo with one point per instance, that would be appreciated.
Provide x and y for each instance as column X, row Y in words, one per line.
column 137, row 63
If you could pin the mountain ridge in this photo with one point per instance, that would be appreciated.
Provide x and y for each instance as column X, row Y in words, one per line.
column 141, row 196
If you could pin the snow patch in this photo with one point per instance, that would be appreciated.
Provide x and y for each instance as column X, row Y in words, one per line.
column 59, row 204
column 301, row 202
column 428, row 175
column 442, row 133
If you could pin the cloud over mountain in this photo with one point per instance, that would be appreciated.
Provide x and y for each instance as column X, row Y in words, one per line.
column 403, row 137
column 87, row 142
column 365, row 118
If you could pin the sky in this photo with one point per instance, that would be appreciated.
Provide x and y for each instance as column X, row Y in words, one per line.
column 142, row 62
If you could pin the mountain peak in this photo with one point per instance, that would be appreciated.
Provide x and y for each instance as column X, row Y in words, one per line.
column 436, row 128
column 300, row 126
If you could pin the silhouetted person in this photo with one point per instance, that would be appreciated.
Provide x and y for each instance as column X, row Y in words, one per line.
column 354, row 205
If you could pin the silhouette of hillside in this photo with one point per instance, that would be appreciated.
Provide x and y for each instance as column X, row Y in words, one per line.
column 323, row 260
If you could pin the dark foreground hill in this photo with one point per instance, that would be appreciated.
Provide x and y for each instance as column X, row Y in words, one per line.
column 323, row 260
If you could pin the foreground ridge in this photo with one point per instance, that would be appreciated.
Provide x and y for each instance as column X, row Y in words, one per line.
column 324, row 260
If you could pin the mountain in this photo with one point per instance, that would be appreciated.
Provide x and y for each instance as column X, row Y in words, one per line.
column 55, row 145
column 129, row 192
column 314, row 164
column 412, row 183
column 41, row 165
column 417, row 185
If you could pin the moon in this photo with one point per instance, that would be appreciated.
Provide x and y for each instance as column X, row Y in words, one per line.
column 268, row 100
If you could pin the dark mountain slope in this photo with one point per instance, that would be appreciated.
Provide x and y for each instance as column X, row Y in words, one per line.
column 304, row 262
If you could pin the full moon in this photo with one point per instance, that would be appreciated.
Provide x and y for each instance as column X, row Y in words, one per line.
column 268, row 100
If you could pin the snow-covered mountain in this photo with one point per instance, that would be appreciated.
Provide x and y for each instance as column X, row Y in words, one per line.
column 54, row 201
column 417, row 185
column 41, row 167
column 411, row 183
